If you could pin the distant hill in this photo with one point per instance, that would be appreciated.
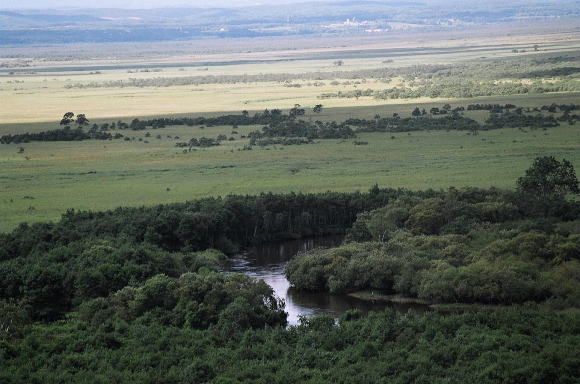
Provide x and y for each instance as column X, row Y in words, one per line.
column 30, row 26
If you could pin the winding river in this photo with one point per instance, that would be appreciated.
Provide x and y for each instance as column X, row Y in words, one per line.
column 267, row 262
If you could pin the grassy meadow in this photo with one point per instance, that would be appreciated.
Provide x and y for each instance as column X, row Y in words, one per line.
column 50, row 177
column 47, row 178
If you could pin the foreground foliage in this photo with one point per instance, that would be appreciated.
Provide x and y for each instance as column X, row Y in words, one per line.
column 133, row 295
column 525, row 344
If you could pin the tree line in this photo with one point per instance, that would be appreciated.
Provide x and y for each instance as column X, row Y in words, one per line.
column 454, row 88
column 518, row 68
column 62, row 134
column 279, row 127
column 513, row 345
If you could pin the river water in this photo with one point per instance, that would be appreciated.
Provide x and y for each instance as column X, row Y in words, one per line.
column 268, row 262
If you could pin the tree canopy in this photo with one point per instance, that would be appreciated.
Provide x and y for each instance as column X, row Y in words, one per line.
column 548, row 177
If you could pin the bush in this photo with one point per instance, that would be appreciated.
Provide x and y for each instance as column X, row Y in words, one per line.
column 194, row 300
column 505, row 282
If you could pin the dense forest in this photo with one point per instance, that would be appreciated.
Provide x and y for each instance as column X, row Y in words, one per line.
column 516, row 345
column 52, row 267
column 133, row 294
column 465, row 246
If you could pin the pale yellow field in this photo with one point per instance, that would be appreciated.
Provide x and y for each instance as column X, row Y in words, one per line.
column 42, row 96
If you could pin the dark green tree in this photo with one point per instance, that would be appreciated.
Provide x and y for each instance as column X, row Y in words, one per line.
column 297, row 111
column 82, row 119
column 549, row 178
column 67, row 119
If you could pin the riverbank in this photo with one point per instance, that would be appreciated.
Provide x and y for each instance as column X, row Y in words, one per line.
column 378, row 297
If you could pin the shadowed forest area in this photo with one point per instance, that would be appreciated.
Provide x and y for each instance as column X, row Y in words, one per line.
column 87, row 289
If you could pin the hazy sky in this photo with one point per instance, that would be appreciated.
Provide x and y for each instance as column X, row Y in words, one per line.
column 44, row 4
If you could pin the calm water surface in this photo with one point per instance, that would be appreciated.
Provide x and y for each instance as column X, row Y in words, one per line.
column 267, row 262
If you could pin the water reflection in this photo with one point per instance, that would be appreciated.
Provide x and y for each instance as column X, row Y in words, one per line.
column 267, row 262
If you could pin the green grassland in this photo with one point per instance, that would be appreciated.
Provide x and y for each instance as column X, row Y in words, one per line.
column 50, row 177
column 47, row 178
